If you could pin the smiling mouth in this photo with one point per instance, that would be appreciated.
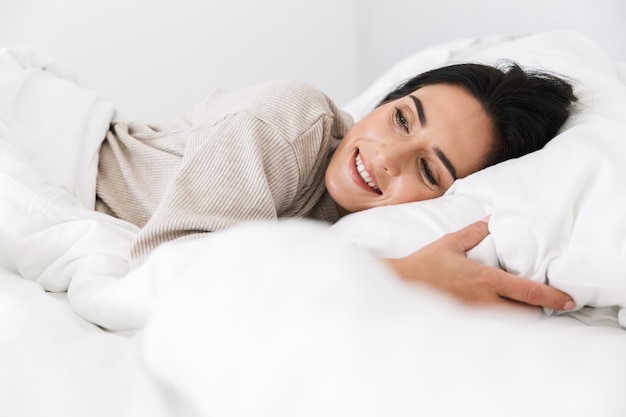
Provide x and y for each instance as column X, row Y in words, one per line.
column 365, row 175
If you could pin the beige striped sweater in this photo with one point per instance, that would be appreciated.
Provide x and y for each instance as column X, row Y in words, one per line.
column 257, row 153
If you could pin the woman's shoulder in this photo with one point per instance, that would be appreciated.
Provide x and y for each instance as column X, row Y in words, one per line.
column 290, row 90
column 285, row 99
column 291, row 107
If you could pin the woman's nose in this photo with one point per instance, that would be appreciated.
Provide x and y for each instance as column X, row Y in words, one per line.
column 392, row 158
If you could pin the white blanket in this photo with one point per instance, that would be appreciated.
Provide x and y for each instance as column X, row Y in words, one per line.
column 305, row 326
column 50, row 133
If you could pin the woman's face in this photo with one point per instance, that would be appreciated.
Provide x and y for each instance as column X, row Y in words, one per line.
column 410, row 149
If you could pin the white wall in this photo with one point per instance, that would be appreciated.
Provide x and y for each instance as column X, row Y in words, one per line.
column 157, row 58
column 392, row 29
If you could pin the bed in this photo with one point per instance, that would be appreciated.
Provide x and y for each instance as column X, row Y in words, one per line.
column 299, row 318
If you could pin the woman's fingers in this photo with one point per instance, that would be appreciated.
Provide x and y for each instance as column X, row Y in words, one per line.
column 533, row 293
column 509, row 286
column 471, row 235
column 444, row 265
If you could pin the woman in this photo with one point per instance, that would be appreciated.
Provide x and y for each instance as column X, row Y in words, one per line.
column 285, row 150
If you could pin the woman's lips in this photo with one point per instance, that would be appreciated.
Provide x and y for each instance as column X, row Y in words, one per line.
column 361, row 175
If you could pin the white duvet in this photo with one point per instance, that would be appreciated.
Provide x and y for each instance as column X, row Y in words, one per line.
column 297, row 318
column 51, row 132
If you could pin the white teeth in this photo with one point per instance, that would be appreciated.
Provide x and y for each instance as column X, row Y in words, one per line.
column 364, row 174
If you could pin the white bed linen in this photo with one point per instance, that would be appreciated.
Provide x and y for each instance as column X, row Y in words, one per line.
column 297, row 337
column 261, row 320
column 55, row 363
column 51, row 128
column 305, row 325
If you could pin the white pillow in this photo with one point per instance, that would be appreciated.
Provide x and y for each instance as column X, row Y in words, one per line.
column 557, row 215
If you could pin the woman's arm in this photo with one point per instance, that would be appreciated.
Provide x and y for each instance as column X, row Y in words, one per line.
column 444, row 265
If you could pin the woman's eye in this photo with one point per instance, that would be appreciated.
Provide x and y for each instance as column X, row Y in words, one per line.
column 401, row 120
column 428, row 174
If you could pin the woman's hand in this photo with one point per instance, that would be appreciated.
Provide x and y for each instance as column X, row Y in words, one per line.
column 444, row 265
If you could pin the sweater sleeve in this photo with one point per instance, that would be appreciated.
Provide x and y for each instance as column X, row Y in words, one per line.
column 238, row 169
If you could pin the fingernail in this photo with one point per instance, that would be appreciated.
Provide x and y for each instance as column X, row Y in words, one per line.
column 486, row 218
column 569, row 305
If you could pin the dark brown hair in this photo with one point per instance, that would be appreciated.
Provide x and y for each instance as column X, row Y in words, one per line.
column 526, row 108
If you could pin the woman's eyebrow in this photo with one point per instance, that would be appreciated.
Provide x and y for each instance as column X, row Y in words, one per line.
column 419, row 109
column 444, row 159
